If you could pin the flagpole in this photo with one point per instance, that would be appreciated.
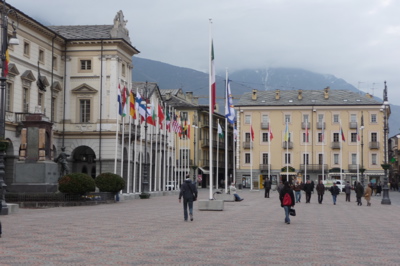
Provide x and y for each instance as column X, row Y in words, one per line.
column 358, row 157
column 151, row 159
column 129, row 156
column 251, row 159
column 140, row 160
column 341, row 149
column 116, row 131
column 226, row 133
column 156, row 166
column 216, row 181
column 135, row 156
column 122, row 146
column 323, row 153
column 287, row 152
column 269, row 150
column 305, row 153
column 211, row 110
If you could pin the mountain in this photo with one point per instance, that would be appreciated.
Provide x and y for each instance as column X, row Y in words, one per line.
column 172, row 77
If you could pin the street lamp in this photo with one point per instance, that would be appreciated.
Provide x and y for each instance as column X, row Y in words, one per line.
column 145, row 183
column 385, row 199
column 3, row 82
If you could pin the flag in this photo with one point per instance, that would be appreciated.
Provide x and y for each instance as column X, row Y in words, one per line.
column 220, row 132
column 161, row 116
column 212, row 80
column 151, row 115
column 7, row 61
column 132, row 105
column 286, row 136
column 251, row 132
column 39, row 82
column 229, row 109
column 235, row 132
column 119, row 101
column 271, row 136
column 342, row 134
column 124, row 101
column 188, row 129
column 168, row 122
column 176, row 127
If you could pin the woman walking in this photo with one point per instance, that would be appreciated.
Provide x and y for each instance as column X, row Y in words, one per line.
column 287, row 200
column 368, row 193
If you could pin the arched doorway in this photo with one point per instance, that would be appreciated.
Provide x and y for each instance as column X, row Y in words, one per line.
column 84, row 161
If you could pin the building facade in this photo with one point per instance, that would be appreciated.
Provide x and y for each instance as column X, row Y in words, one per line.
column 318, row 135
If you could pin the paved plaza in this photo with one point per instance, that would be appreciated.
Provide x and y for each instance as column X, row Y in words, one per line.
column 152, row 232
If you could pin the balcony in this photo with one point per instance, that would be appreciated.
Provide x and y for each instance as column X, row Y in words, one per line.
column 265, row 167
column 205, row 143
column 304, row 124
column 314, row 168
column 374, row 145
column 335, row 145
column 353, row 168
column 321, row 125
column 352, row 125
column 287, row 145
column 184, row 163
column 264, row 125
column 247, row 145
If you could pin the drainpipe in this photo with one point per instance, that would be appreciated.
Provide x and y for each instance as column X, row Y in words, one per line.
column 101, row 103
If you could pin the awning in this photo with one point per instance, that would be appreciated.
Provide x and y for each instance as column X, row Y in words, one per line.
column 286, row 173
column 206, row 172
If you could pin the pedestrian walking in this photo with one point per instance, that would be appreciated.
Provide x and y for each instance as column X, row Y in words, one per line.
column 312, row 186
column 359, row 193
column 297, row 191
column 267, row 187
column 279, row 187
column 368, row 193
column 347, row 190
column 286, row 197
column 378, row 189
column 320, row 191
column 189, row 194
column 334, row 191
column 308, row 189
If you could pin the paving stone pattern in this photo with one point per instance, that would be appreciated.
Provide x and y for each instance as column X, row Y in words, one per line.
column 251, row 232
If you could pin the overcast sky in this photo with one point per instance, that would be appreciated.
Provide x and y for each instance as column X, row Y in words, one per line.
column 357, row 40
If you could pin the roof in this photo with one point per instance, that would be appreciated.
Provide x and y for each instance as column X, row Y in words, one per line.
column 83, row 32
column 309, row 98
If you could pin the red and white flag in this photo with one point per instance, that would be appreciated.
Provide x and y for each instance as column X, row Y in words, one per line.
column 252, row 133
column 212, row 80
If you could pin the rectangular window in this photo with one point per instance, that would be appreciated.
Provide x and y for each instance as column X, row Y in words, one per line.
column 184, row 117
column 8, row 96
column 41, row 56
column 247, row 158
column 25, row 100
column 320, row 118
column 265, row 137
column 353, row 118
column 265, row 158
column 26, row 49
column 247, row 137
column 320, row 159
column 305, row 159
column 320, row 137
column 336, row 137
column 86, row 64
column 354, row 158
column 247, row 119
column 40, row 99
column 373, row 118
column 374, row 137
column 353, row 137
column 123, row 70
column 287, row 118
column 335, row 118
column 373, row 158
column 265, row 119
column 336, row 158
column 287, row 158
column 84, row 111
column 55, row 62
column 305, row 118
column 53, row 108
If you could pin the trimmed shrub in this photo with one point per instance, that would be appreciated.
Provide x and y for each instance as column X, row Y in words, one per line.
column 76, row 183
column 109, row 182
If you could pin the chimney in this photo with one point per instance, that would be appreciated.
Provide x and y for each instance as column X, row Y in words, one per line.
column 326, row 93
column 277, row 94
column 189, row 96
column 254, row 95
column 369, row 95
column 196, row 100
column 168, row 96
column 300, row 95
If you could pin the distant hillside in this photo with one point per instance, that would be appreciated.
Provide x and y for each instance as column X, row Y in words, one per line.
column 172, row 77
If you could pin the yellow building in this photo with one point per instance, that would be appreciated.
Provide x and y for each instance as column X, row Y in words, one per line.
column 322, row 115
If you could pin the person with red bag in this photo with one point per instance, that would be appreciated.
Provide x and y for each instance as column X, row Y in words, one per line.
column 286, row 197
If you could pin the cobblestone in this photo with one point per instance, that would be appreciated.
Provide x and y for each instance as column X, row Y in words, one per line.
column 251, row 232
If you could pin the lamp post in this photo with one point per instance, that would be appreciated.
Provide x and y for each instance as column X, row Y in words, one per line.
column 145, row 183
column 3, row 82
column 385, row 199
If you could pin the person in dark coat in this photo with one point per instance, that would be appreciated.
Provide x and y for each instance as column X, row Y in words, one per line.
column 267, row 187
column 359, row 193
column 312, row 186
column 320, row 191
column 308, row 189
column 347, row 190
column 334, row 191
column 297, row 191
column 378, row 189
column 286, row 190
column 189, row 194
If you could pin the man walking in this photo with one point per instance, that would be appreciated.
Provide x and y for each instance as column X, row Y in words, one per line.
column 320, row 191
column 347, row 190
column 334, row 191
column 267, row 187
column 297, row 191
column 308, row 189
column 189, row 194
column 359, row 193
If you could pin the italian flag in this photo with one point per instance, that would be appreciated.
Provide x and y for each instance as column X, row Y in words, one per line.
column 220, row 132
column 212, row 80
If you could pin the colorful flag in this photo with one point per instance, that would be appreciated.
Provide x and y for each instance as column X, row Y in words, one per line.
column 124, row 99
column 188, row 129
column 7, row 61
column 119, row 101
column 220, row 132
column 176, row 127
column 168, row 122
column 271, row 136
column 252, row 132
column 212, row 80
column 229, row 108
column 132, row 106
column 161, row 116
column 286, row 136
column 342, row 134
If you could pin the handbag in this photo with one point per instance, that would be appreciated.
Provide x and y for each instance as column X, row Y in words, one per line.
column 194, row 197
column 292, row 212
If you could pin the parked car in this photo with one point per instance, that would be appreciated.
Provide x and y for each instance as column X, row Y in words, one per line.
column 170, row 186
column 339, row 183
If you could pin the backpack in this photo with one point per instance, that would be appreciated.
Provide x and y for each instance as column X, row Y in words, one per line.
column 287, row 200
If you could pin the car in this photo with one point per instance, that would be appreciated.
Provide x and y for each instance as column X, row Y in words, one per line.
column 340, row 184
column 170, row 186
